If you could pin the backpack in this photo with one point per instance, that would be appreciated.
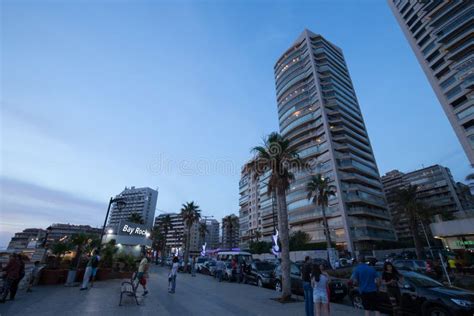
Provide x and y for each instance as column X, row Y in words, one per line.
column 95, row 262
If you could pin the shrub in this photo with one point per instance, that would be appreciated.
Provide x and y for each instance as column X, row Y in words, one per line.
column 127, row 261
column 258, row 247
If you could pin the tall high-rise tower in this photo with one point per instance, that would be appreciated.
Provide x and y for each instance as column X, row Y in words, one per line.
column 319, row 113
column 141, row 201
column 441, row 35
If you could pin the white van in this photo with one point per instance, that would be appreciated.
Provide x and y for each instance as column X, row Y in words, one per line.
column 240, row 255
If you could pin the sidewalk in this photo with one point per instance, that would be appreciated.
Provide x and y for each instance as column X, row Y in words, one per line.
column 201, row 295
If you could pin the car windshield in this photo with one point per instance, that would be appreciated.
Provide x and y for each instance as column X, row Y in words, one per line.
column 262, row 266
column 201, row 260
column 212, row 263
column 419, row 280
column 420, row 263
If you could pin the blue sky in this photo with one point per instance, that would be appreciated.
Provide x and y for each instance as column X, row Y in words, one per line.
column 99, row 95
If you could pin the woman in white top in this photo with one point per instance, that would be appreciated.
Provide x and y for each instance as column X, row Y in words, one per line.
column 319, row 281
column 172, row 275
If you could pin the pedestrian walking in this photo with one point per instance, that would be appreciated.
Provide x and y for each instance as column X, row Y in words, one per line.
column 93, row 261
column 391, row 277
column 12, row 273
column 142, row 273
column 172, row 275
column 243, row 270
column 367, row 278
column 33, row 276
column 307, row 288
column 193, row 266
column 319, row 283
column 234, row 268
column 94, row 265
column 220, row 267
column 14, row 286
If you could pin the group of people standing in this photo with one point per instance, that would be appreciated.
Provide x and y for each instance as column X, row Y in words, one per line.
column 368, row 281
column 316, row 288
column 317, row 294
column 14, row 271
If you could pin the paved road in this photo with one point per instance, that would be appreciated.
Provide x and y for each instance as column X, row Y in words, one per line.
column 201, row 295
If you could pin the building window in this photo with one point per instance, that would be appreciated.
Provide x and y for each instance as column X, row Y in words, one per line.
column 465, row 113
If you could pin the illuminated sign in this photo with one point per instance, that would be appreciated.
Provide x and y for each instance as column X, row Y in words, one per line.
column 132, row 229
column 465, row 242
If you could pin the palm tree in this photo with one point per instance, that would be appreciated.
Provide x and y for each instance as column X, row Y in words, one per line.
column 166, row 225
column 257, row 234
column 203, row 231
column 158, row 238
column 79, row 241
column 276, row 156
column 136, row 218
column 410, row 207
column 319, row 190
column 59, row 249
column 230, row 222
column 190, row 213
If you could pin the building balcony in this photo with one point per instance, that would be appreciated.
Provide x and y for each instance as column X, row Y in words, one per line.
column 357, row 178
column 368, row 211
column 367, row 199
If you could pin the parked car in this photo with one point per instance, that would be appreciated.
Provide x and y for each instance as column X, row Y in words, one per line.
column 200, row 262
column 227, row 274
column 422, row 295
column 337, row 288
column 181, row 266
column 209, row 267
column 260, row 273
column 421, row 266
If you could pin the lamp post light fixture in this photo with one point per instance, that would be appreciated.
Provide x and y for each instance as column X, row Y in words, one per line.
column 48, row 231
column 45, row 243
column 120, row 203
column 110, row 231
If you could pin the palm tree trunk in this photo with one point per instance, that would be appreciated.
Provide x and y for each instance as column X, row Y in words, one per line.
column 416, row 237
column 188, row 244
column 326, row 228
column 285, row 243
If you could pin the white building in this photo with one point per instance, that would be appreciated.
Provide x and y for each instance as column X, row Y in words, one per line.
column 131, row 237
column 137, row 200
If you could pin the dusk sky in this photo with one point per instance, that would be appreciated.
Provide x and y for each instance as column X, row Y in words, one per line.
column 99, row 95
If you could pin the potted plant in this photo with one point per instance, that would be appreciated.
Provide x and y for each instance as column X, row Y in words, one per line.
column 79, row 241
column 107, row 259
column 128, row 265
column 52, row 274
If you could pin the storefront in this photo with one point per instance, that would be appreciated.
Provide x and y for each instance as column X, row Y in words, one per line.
column 130, row 238
column 456, row 234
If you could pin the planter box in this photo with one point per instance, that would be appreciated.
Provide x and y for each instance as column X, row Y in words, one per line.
column 103, row 274
column 115, row 275
column 53, row 276
column 126, row 275
column 79, row 275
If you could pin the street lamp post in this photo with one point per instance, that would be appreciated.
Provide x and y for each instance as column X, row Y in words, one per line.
column 44, row 243
column 120, row 202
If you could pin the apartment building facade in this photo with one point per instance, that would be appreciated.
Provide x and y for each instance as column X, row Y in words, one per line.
column 319, row 113
column 436, row 189
column 137, row 200
column 441, row 35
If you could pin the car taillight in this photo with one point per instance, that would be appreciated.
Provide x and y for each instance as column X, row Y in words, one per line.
column 350, row 283
column 428, row 267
